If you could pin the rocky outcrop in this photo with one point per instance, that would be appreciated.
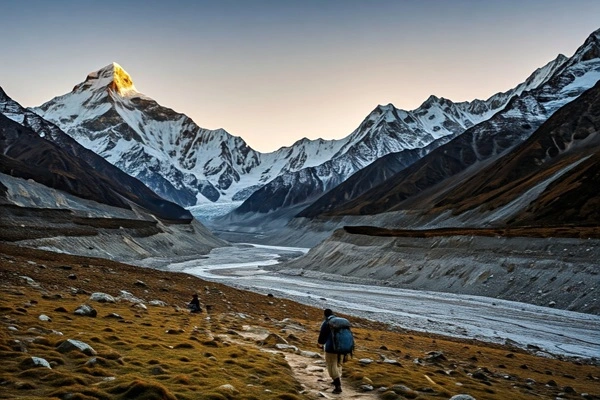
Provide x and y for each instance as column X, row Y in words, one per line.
column 34, row 215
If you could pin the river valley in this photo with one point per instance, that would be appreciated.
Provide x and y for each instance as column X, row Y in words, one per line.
column 541, row 329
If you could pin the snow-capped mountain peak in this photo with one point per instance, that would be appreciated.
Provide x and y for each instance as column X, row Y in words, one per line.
column 112, row 77
column 192, row 166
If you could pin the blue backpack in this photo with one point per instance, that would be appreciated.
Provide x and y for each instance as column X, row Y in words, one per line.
column 343, row 341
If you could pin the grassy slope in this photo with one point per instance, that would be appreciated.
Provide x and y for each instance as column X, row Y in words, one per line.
column 167, row 353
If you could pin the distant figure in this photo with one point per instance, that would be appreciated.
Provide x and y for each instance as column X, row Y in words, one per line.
column 194, row 305
column 336, row 345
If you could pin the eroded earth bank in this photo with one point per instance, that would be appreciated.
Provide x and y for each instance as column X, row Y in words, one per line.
column 554, row 272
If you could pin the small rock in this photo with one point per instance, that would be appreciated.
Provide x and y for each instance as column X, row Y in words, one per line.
column 44, row 317
column 157, row 371
column 480, row 375
column 286, row 347
column 55, row 296
column 462, row 397
column 72, row 277
column 228, row 388
column 310, row 354
column 292, row 338
column 435, row 356
column 92, row 362
column 72, row 344
column 35, row 362
column 17, row 345
column 157, row 303
column 76, row 291
column 365, row 361
column 102, row 298
column 404, row 391
column 30, row 281
column 126, row 296
column 569, row 389
column 272, row 340
column 366, row 388
column 86, row 311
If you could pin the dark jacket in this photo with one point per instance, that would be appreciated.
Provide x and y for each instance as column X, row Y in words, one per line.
column 326, row 336
column 194, row 305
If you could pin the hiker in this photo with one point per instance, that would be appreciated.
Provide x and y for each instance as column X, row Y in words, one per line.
column 332, row 359
column 194, row 305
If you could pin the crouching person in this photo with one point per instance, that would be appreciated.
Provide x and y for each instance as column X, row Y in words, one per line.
column 194, row 305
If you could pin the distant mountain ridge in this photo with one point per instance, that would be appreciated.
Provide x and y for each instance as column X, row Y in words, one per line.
column 559, row 83
column 191, row 165
column 556, row 171
column 56, row 160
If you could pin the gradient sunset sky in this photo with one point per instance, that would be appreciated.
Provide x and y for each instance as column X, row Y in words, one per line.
column 274, row 72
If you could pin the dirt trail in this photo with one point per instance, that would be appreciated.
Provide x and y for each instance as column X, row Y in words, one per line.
column 310, row 372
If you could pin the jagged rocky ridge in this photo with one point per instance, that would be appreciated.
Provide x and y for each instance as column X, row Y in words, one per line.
column 405, row 135
column 557, row 171
column 478, row 146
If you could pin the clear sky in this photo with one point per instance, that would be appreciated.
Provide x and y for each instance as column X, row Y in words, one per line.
column 275, row 71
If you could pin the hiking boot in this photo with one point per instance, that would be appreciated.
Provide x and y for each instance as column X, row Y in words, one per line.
column 338, row 386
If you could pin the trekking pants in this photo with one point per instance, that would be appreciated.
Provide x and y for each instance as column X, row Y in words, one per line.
column 334, row 365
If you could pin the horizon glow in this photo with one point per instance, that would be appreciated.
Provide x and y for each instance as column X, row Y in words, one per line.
column 274, row 72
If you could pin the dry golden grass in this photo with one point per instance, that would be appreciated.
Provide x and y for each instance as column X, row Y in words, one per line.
column 168, row 353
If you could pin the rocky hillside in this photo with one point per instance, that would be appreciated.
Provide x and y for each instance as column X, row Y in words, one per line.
column 560, row 161
column 34, row 215
column 88, row 328
column 526, row 265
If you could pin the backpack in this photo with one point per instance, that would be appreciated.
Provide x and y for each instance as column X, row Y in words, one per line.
column 343, row 341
